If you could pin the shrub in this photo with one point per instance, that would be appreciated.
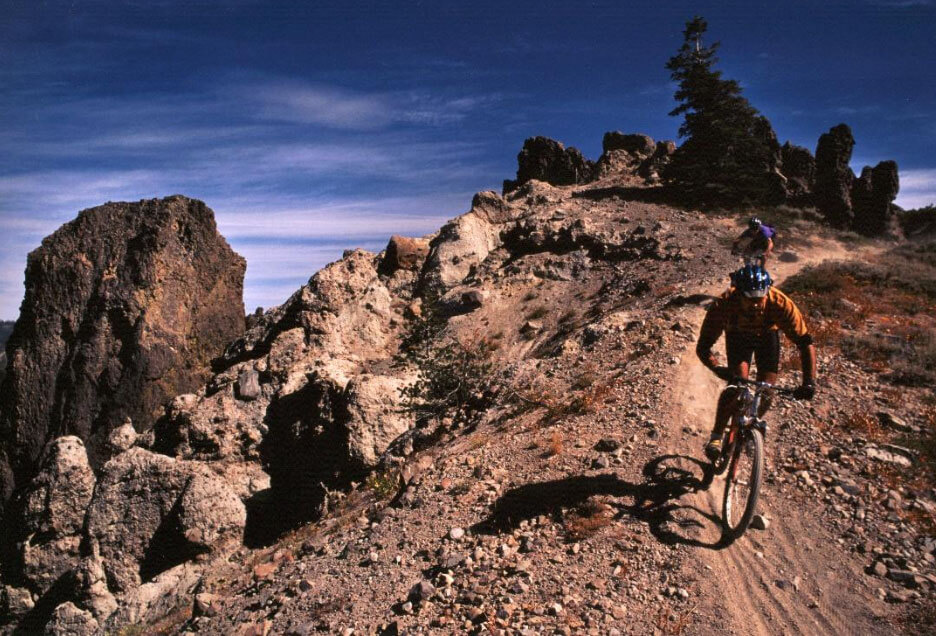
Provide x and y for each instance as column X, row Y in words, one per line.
column 457, row 379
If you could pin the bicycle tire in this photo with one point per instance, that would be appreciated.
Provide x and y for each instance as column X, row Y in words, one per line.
column 752, row 443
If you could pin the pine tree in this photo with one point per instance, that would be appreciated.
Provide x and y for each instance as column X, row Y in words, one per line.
column 730, row 150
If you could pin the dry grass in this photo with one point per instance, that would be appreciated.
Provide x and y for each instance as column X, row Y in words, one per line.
column 539, row 312
column 880, row 315
column 554, row 447
column 587, row 520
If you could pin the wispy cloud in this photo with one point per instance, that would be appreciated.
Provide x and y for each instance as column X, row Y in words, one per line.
column 917, row 188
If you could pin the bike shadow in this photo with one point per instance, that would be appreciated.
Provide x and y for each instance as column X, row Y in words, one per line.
column 656, row 501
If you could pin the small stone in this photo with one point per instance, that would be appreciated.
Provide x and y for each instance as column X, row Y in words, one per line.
column 423, row 591
column 760, row 522
column 456, row 533
column 555, row 609
column 248, row 385
column 407, row 607
column 204, row 604
column 878, row 569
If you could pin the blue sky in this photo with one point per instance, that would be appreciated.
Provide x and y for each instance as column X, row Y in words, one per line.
column 311, row 127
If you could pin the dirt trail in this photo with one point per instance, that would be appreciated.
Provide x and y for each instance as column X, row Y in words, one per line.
column 791, row 579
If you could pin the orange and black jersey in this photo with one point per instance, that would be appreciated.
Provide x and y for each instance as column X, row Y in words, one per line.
column 728, row 315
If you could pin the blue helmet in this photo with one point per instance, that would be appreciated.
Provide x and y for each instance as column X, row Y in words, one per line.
column 752, row 280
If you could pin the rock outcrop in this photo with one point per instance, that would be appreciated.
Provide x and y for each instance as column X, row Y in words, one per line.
column 834, row 177
column 151, row 512
column 46, row 526
column 125, row 306
column 872, row 195
column 304, row 401
column 545, row 159
column 404, row 253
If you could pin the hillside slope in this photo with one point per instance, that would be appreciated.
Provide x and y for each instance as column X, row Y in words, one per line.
column 578, row 504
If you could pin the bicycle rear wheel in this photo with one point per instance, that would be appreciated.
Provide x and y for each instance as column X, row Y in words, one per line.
column 742, row 483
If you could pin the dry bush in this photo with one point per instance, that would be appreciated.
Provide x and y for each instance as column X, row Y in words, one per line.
column 864, row 424
column 554, row 447
column 587, row 520
column 539, row 312
column 587, row 397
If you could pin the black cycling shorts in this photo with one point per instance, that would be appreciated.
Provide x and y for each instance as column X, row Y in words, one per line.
column 765, row 349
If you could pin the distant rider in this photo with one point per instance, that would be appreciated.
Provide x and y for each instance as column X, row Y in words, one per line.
column 752, row 313
column 756, row 242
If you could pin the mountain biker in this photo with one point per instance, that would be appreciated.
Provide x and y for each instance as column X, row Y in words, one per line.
column 752, row 313
column 756, row 241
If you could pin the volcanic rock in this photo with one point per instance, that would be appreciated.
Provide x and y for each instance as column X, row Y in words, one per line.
column 69, row 620
column 872, row 196
column 404, row 253
column 799, row 168
column 124, row 308
column 834, row 177
column 151, row 512
column 548, row 160
column 48, row 526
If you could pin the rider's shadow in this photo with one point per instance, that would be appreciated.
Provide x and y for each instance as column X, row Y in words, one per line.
column 656, row 501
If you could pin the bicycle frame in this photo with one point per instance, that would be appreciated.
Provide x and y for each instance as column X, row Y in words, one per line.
column 744, row 418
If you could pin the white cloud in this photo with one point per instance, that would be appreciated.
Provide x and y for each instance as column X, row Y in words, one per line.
column 917, row 188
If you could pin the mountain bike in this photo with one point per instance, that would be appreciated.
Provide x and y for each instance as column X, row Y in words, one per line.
column 742, row 455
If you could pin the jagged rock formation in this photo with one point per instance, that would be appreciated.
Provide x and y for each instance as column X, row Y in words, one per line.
column 545, row 159
column 124, row 308
column 872, row 196
column 865, row 203
column 319, row 410
column 630, row 159
column 834, row 177
column 151, row 512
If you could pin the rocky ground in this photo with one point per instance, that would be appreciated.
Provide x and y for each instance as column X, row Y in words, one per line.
column 598, row 520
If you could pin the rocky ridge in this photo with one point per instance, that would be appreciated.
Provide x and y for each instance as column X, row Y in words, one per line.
column 560, row 511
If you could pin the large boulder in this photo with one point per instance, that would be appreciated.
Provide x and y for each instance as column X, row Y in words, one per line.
column 48, row 521
column 834, row 176
column 635, row 144
column 872, row 195
column 151, row 512
column 125, row 306
column 404, row 253
column 328, row 430
column 546, row 159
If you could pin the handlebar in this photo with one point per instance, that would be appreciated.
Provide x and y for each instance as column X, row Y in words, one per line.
column 781, row 390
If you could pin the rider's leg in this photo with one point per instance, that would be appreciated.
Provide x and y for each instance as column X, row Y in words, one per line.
column 739, row 363
column 767, row 356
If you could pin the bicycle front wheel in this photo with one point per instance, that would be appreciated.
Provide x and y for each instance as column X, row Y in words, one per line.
column 742, row 483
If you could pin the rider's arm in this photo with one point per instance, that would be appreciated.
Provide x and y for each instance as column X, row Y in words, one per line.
column 712, row 327
column 769, row 247
column 791, row 321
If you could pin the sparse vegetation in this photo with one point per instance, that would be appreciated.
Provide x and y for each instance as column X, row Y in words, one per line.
column 458, row 378
column 537, row 313
column 384, row 484
column 879, row 314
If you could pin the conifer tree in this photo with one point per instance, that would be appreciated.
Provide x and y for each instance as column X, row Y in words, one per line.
column 730, row 150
